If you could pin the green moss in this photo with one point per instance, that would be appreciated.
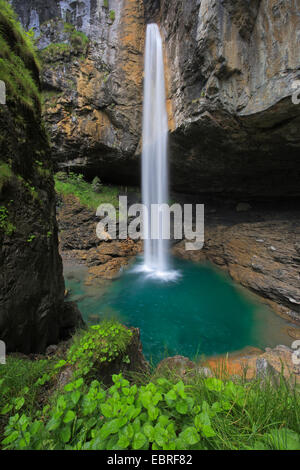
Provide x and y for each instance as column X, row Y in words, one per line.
column 76, row 44
column 105, row 4
column 44, row 173
column 55, row 52
column 50, row 95
column 5, row 225
column 29, row 187
column 5, row 174
column 19, row 67
column 112, row 15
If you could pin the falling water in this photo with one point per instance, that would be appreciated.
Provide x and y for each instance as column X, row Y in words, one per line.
column 154, row 159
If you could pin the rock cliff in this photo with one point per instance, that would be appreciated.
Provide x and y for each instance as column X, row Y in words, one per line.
column 231, row 68
column 32, row 310
column 92, row 55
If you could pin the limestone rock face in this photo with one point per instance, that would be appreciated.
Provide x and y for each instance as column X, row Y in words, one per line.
column 92, row 94
column 231, row 69
column 258, row 248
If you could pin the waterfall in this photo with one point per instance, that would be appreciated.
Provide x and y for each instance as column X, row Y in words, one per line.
column 154, row 157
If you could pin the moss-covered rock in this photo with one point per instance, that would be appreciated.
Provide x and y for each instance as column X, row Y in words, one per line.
column 31, row 281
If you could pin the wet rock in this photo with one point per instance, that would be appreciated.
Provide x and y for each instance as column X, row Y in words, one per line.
column 240, row 243
column 233, row 117
column 31, row 278
column 51, row 350
column 243, row 207
column 64, row 377
column 233, row 126
column 70, row 320
column 134, row 363
column 269, row 366
column 78, row 241
column 265, row 372
column 181, row 367
column 94, row 107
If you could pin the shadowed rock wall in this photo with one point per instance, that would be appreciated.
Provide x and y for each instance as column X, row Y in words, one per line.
column 231, row 68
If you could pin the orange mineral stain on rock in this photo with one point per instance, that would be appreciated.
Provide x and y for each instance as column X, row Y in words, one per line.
column 244, row 364
column 132, row 37
column 169, row 101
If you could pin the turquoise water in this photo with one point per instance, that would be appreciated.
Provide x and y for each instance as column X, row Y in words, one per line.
column 202, row 312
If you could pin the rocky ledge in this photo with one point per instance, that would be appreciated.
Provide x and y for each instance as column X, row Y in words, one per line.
column 79, row 242
column 250, row 363
column 258, row 247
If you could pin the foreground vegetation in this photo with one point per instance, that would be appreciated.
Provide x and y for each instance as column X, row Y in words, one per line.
column 19, row 66
column 149, row 412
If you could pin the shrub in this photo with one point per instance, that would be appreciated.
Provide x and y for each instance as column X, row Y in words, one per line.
column 55, row 52
column 97, row 185
column 112, row 15
column 101, row 344
column 5, row 225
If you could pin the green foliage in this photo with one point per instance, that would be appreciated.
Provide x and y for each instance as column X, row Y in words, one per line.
column 5, row 225
column 50, row 95
column 28, row 185
column 112, row 15
column 31, row 238
column 97, row 185
column 76, row 185
column 20, row 386
column 55, row 52
column 6, row 174
column 78, row 39
column 19, row 67
column 75, row 44
column 158, row 416
column 105, row 4
column 101, row 344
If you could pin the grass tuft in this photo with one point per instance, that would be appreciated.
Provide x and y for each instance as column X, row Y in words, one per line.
column 83, row 191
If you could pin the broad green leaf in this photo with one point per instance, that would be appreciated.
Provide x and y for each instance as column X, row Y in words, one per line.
column 207, row 431
column 153, row 412
column 69, row 416
column 11, row 438
column 123, row 442
column 148, row 430
column 139, row 441
column 107, row 410
column 214, row 384
column 190, row 436
column 65, row 434
column 171, row 395
column 19, row 403
column 182, row 407
column 179, row 387
column 75, row 397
